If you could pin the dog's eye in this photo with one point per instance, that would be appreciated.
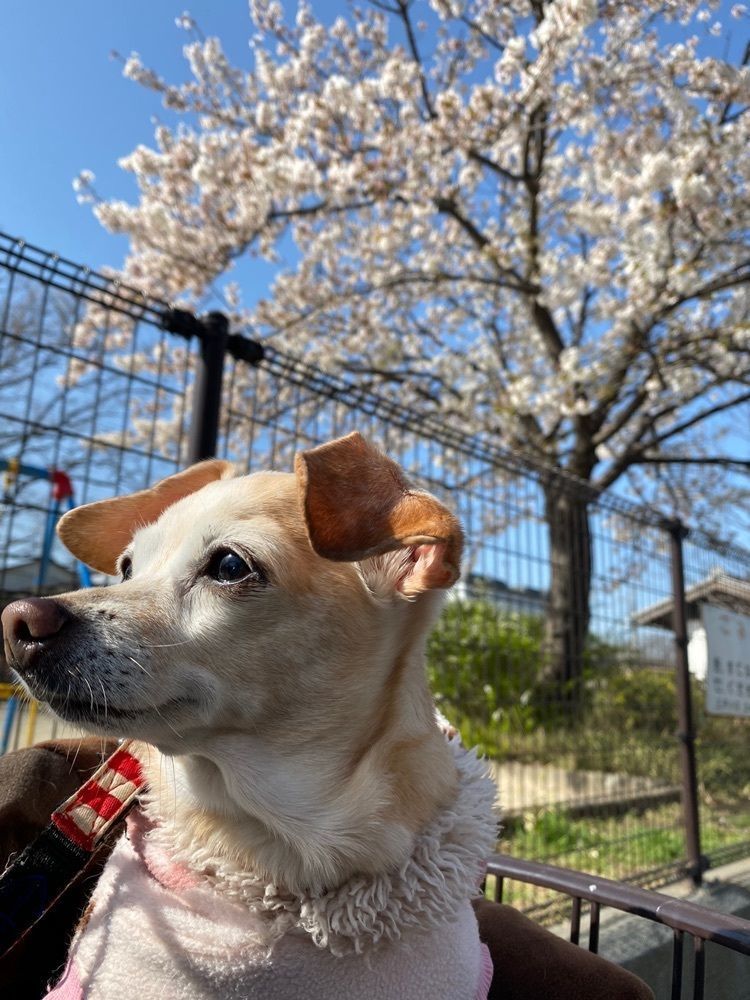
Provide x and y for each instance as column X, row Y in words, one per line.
column 126, row 567
column 227, row 567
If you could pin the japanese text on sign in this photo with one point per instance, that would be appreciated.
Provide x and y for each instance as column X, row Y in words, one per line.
column 728, row 648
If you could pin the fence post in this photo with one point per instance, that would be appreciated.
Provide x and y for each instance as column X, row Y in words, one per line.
column 697, row 863
column 204, row 423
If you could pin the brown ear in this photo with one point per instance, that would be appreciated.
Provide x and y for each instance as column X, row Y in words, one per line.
column 358, row 503
column 97, row 533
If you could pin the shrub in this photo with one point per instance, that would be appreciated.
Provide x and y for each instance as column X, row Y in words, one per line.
column 482, row 665
column 635, row 701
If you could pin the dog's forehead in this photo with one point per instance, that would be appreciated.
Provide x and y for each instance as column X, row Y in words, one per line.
column 262, row 494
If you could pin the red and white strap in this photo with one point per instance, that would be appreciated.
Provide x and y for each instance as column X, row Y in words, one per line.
column 91, row 812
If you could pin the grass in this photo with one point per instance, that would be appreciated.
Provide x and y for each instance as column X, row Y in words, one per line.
column 649, row 845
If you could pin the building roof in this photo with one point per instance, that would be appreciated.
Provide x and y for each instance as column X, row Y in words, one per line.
column 717, row 588
column 474, row 586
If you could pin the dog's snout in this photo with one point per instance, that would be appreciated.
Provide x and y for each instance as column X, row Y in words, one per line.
column 30, row 623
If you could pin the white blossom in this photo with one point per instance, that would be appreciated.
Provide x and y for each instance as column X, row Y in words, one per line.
column 539, row 231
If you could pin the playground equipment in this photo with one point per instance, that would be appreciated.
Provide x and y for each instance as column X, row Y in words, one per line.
column 61, row 499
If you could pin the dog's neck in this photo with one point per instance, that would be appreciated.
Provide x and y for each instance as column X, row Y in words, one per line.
column 358, row 913
column 309, row 810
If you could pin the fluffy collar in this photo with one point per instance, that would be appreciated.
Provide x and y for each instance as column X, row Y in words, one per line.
column 443, row 870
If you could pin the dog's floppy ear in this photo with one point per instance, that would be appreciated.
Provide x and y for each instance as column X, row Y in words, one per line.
column 97, row 533
column 358, row 503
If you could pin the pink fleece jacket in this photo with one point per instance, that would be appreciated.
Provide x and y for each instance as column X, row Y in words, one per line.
column 159, row 931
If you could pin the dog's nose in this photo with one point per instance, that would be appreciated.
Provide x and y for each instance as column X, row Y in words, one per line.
column 30, row 624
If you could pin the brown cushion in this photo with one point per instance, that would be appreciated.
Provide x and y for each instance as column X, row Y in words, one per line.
column 533, row 964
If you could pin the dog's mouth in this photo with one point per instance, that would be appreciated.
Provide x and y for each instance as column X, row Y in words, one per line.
column 90, row 700
column 100, row 712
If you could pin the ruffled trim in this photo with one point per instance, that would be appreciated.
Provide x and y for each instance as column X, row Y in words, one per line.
column 443, row 870
column 486, row 973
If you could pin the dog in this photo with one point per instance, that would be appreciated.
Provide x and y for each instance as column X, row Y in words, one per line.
column 309, row 830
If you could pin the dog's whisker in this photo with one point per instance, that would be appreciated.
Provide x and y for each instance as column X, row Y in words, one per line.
column 139, row 664
column 80, row 738
column 166, row 721
column 164, row 645
column 174, row 791
column 104, row 695
column 151, row 701
column 91, row 693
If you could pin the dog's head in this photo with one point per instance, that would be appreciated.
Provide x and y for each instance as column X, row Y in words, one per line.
column 249, row 602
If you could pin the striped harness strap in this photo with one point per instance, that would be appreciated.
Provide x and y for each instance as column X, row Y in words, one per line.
column 91, row 812
column 50, row 864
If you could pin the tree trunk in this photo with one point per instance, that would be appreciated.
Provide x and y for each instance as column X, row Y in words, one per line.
column 569, row 614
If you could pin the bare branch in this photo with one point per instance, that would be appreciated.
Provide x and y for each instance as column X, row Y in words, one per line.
column 478, row 157
column 723, row 460
column 698, row 418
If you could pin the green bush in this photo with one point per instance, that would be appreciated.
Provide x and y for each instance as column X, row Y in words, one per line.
column 635, row 701
column 723, row 753
column 485, row 667
column 482, row 665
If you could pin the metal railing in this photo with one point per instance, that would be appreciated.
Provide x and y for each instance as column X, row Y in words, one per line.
column 682, row 917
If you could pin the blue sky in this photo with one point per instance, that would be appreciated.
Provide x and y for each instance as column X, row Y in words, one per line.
column 65, row 106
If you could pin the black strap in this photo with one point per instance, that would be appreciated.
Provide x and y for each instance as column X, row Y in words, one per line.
column 36, row 879
column 30, row 885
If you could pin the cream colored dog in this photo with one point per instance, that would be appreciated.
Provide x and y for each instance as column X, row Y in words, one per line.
column 266, row 644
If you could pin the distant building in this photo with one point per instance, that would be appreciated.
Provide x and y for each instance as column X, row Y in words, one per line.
column 718, row 588
column 21, row 580
column 517, row 600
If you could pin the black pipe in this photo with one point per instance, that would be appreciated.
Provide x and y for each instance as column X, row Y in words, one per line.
column 204, row 424
column 697, row 863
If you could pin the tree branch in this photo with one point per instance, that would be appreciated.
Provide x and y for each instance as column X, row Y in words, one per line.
column 625, row 415
column 536, row 138
column 465, row 19
column 699, row 417
column 449, row 207
column 738, row 275
column 403, row 13
column 319, row 207
column 723, row 460
column 494, row 167
column 633, row 454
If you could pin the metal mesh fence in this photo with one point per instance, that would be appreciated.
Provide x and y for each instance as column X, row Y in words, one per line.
column 555, row 653
column 88, row 393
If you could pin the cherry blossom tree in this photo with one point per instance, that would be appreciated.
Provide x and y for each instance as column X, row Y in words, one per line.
column 531, row 217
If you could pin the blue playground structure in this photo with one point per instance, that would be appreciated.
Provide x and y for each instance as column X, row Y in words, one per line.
column 61, row 499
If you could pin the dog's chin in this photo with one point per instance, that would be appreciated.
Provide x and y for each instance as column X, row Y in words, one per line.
column 155, row 723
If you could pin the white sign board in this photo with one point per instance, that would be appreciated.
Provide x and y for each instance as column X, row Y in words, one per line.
column 728, row 675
